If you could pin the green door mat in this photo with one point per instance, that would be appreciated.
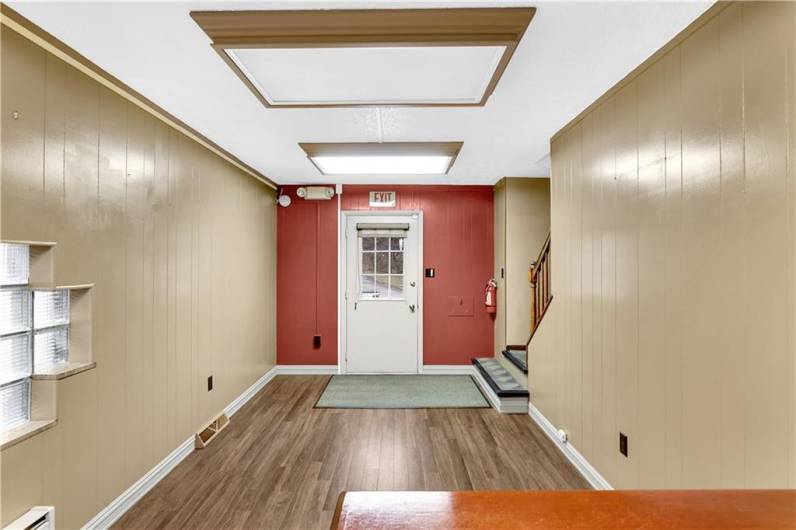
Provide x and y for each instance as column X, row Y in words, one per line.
column 401, row 392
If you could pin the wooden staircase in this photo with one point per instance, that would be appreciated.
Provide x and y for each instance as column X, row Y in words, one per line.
column 501, row 388
column 541, row 294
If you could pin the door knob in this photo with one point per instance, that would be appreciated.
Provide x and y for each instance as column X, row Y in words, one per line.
column 412, row 308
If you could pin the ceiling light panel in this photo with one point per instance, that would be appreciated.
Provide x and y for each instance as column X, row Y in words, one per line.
column 351, row 57
column 383, row 165
column 369, row 75
column 394, row 158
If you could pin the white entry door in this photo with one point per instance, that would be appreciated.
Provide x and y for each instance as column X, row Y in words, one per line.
column 381, row 294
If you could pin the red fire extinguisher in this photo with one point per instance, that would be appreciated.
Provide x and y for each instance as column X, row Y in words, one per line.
column 491, row 296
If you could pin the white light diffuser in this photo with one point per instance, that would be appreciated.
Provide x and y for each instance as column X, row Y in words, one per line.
column 383, row 165
column 391, row 158
column 442, row 75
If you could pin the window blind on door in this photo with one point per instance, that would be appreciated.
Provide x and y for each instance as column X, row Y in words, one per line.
column 382, row 229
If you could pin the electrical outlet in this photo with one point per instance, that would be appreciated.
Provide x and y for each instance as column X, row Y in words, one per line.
column 316, row 341
column 623, row 443
column 209, row 383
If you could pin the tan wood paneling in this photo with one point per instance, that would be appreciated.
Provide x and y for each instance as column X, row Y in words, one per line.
column 766, row 160
column 16, row 22
column 733, row 258
column 180, row 245
column 673, row 232
column 522, row 223
column 527, row 227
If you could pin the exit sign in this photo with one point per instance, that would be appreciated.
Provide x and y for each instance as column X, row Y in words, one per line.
column 382, row 199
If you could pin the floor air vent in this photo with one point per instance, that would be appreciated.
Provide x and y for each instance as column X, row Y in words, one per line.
column 208, row 434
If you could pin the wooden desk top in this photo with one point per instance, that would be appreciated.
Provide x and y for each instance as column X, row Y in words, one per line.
column 508, row 510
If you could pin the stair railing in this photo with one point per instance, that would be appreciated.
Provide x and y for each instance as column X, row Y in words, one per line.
column 541, row 296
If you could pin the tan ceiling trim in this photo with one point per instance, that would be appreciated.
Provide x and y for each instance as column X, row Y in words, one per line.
column 451, row 149
column 700, row 21
column 366, row 28
column 13, row 20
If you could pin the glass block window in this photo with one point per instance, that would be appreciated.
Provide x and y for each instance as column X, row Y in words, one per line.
column 34, row 332
column 50, row 327
column 50, row 346
column 50, row 308
column 14, row 310
column 16, row 335
column 14, row 264
column 15, row 357
column 14, row 403
column 381, row 267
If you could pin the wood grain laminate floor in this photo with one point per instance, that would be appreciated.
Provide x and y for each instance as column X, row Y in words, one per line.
column 282, row 464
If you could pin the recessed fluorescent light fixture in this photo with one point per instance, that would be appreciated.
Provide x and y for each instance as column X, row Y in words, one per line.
column 451, row 57
column 391, row 158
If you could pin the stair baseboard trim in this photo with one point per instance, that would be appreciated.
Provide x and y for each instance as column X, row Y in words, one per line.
column 447, row 369
column 306, row 369
column 517, row 364
column 504, row 405
column 585, row 468
column 119, row 506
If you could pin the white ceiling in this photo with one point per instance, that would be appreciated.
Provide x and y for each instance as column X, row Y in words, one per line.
column 570, row 54
column 430, row 74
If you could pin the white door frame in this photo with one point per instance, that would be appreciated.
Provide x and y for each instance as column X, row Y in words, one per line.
column 342, row 362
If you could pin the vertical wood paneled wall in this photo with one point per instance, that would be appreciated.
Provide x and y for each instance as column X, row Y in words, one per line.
column 673, row 233
column 181, row 247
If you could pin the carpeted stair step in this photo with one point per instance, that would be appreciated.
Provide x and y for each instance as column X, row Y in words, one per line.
column 498, row 378
column 517, row 357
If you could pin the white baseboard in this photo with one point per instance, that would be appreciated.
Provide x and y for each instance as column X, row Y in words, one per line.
column 249, row 393
column 306, row 369
column 447, row 369
column 588, row 471
column 112, row 512
column 119, row 506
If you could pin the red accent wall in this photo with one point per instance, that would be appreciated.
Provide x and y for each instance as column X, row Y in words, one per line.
column 458, row 243
column 306, row 281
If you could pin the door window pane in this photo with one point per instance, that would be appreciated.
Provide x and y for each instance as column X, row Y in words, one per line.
column 396, row 262
column 396, row 286
column 367, row 286
column 381, row 270
column 383, row 286
column 382, row 263
column 368, row 262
